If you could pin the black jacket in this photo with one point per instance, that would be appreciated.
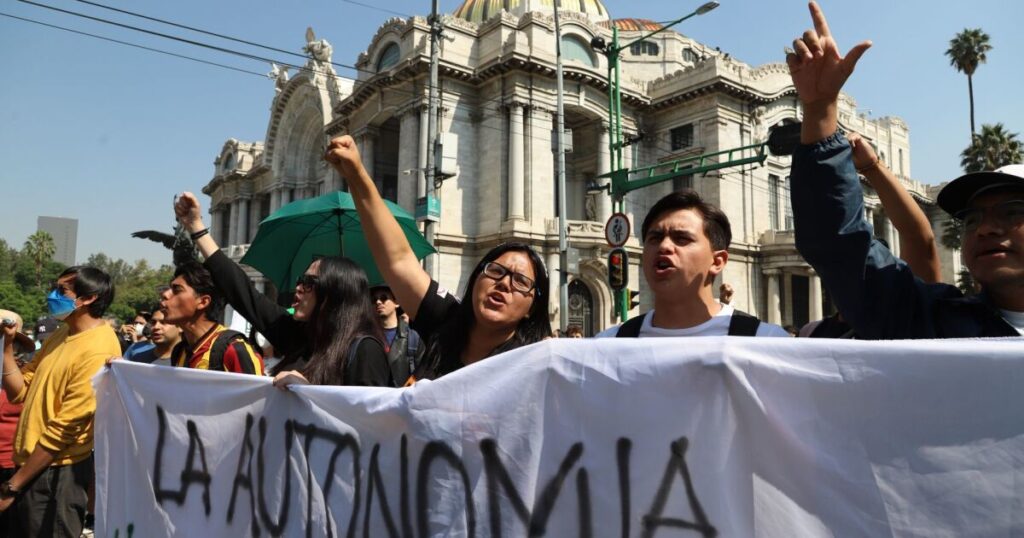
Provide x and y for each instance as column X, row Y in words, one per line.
column 287, row 335
column 876, row 292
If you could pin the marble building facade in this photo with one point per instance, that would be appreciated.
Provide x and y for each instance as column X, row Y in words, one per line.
column 680, row 98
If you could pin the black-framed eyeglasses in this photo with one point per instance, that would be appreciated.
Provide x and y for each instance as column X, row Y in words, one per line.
column 307, row 282
column 520, row 282
column 381, row 297
column 1008, row 214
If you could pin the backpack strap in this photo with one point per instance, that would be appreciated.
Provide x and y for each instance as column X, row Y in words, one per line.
column 220, row 345
column 631, row 328
column 180, row 351
column 743, row 324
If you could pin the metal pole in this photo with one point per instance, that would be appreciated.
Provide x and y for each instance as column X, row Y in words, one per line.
column 430, row 263
column 615, row 126
column 563, row 243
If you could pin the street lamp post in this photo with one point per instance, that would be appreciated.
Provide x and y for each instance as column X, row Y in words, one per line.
column 615, row 138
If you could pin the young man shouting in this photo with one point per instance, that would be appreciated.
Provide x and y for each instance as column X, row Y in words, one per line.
column 686, row 242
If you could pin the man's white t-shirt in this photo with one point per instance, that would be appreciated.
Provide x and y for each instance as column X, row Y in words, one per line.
column 1016, row 319
column 718, row 325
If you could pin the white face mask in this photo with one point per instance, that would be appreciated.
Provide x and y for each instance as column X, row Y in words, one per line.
column 139, row 327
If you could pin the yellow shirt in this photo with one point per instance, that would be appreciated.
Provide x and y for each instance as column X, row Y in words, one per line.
column 58, row 395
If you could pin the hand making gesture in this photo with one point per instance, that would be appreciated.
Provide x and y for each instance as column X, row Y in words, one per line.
column 819, row 72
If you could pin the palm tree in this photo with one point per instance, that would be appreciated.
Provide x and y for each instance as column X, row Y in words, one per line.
column 39, row 247
column 967, row 51
column 992, row 148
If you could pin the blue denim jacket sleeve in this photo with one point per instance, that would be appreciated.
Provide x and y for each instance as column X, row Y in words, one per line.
column 875, row 292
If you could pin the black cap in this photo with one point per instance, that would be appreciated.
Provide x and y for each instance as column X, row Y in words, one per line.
column 957, row 195
column 45, row 327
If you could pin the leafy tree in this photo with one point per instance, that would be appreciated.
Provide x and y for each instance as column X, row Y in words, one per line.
column 22, row 280
column 135, row 285
column 994, row 147
column 966, row 52
column 119, row 270
column 28, row 305
column 8, row 261
column 966, row 282
column 39, row 248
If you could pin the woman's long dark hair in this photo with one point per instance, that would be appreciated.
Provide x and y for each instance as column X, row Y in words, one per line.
column 444, row 351
column 342, row 314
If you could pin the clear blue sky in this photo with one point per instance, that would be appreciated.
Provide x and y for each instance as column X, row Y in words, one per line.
column 107, row 134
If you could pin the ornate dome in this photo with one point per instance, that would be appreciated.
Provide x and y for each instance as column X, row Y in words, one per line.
column 633, row 25
column 482, row 10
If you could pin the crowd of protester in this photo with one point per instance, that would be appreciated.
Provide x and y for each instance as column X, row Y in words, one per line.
column 340, row 330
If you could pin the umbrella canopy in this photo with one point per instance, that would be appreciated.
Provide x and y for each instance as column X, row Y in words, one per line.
column 292, row 237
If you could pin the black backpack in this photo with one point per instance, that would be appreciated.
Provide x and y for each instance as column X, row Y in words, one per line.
column 741, row 324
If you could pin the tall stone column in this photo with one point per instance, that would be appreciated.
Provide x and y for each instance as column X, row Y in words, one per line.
column 286, row 196
column 516, row 178
column 275, row 200
column 424, row 142
column 243, row 221
column 215, row 225
column 604, row 165
column 233, row 224
column 366, row 150
column 814, row 297
column 408, row 157
column 774, row 314
column 255, row 205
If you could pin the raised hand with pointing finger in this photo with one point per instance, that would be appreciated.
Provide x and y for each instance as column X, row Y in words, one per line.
column 819, row 72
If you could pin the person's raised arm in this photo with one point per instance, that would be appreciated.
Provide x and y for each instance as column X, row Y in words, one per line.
column 269, row 318
column 917, row 239
column 391, row 251
column 186, row 210
column 876, row 293
column 818, row 73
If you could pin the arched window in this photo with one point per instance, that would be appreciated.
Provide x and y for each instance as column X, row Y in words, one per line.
column 573, row 48
column 690, row 56
column 388, row 57
column 229, row 162
column 644, row 48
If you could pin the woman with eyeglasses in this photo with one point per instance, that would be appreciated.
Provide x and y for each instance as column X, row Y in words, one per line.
column 505, row 305
column 334, row 336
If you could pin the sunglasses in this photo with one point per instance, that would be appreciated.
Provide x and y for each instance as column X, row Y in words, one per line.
column 520, row 282
column 307, row 282
column 381, row 297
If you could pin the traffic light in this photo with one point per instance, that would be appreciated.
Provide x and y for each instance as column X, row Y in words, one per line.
column 634, row 299
column 618, row 268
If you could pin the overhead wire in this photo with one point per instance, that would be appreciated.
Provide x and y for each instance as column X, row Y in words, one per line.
column 246, row 55
column 377, row 8
column 478, row 124
column 143, row 47
column 215, row 47
column 207, row 32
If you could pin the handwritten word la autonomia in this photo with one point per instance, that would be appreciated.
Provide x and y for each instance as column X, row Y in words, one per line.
column 248, row 487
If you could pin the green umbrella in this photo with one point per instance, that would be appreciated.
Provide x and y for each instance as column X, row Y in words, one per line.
column 302, row 231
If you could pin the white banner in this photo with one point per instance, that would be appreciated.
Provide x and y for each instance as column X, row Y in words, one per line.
column 705, row 437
